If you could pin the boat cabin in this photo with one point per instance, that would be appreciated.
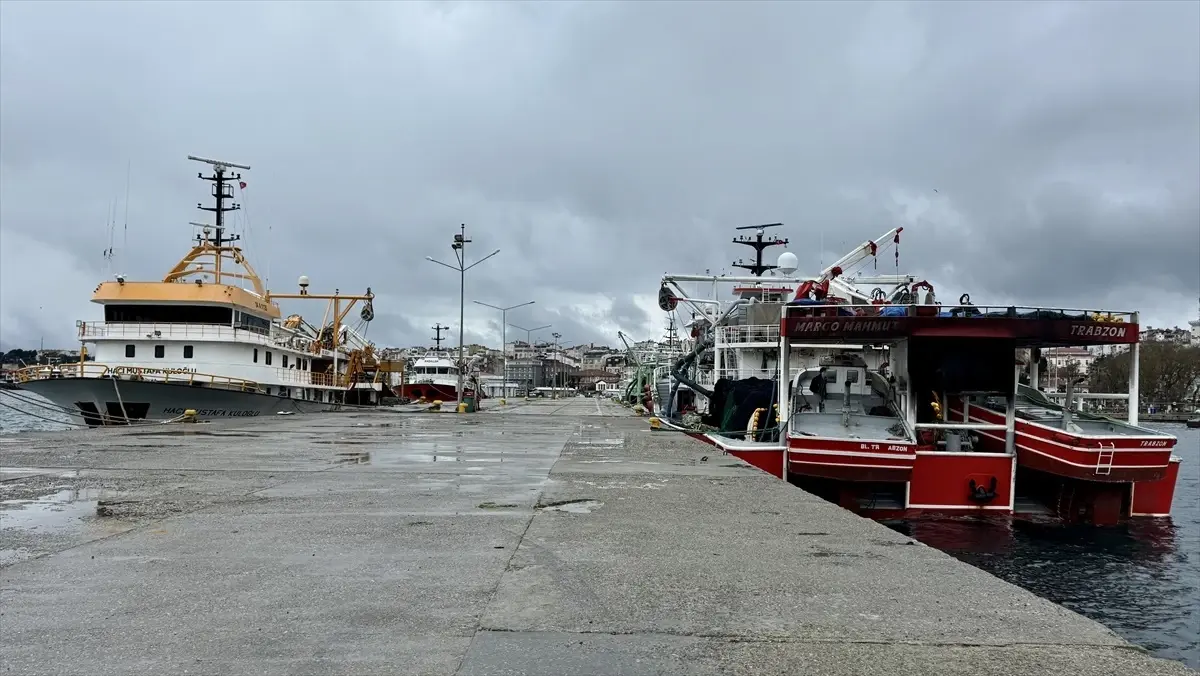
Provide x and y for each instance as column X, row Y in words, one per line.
column 947, row 426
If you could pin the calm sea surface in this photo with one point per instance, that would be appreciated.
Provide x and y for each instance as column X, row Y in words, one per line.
column 1141, row 579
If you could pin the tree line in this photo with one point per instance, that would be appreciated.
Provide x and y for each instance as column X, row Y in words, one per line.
column 1168, row 372
column 30, row 357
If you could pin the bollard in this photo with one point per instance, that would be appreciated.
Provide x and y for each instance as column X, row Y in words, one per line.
column 502, row 402
column 462, row 408
column 189, row 416
column 655, row 423
column 437, row 405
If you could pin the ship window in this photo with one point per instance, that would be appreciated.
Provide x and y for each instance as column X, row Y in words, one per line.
column 168, row 314
column 268, row 357
column 249, row 322
column 285, row 361
column 130, row 351
column 187, row 351
column 160, row 351
column 256, row 355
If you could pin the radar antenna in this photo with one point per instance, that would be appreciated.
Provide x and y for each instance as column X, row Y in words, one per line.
column 758, row 243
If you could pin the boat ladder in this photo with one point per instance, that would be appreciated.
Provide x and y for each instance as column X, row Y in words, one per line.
column 1104, row 459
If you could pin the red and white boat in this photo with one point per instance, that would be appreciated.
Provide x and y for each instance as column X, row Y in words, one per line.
column 944, row 425
column 433, row 376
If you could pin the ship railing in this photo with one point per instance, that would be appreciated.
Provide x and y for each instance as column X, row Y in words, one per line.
column 306, row 378
column 171, row 331
column 92, row 369
column 963, row 427
column 747, row 334
column 959, row 310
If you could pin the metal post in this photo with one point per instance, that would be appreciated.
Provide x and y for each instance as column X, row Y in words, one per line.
column 785, row 382
column 459, row 246
column 1135, row 355
column 1010, row 413
column 504, row 353
column 504, row 334
column 462, row 290
column 555, row 368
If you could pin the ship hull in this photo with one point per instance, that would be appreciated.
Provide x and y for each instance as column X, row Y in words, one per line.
column 98, row 402
column 430, row 391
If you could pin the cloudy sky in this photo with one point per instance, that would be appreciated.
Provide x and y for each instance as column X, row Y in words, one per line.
column 1046, row 153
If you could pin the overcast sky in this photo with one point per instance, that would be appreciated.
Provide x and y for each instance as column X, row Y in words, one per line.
column 1046, row 153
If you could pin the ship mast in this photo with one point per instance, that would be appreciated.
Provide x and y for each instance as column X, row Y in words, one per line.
column 758, row 243
column 437, row 338
column 222, row 190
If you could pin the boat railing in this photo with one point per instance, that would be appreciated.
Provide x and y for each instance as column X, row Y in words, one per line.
column 734, row 335
column 302, row 378
column 963, row 310
column 281, row 338
column 92, row 369
column 967, row 427
column 174, row 331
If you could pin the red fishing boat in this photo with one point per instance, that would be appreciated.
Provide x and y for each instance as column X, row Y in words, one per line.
column 945, row 426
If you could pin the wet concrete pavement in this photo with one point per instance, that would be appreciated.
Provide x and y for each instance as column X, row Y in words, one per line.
column 548, row 537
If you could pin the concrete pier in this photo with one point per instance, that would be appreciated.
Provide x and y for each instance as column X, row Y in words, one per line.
column 556, row 537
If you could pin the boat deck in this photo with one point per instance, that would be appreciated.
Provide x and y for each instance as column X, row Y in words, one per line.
column 1031, row 410
column 552, row 537
column 862, row 427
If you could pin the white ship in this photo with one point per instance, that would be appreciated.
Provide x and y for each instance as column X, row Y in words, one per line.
column 210, row 338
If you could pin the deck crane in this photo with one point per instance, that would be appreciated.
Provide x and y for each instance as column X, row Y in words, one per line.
column 818, row 288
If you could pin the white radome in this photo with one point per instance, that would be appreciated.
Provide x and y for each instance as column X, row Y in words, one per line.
column 787, row 262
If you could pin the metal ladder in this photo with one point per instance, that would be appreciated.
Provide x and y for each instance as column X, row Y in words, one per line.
column 1104, row 459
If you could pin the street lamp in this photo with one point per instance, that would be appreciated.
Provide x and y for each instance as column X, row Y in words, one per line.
column 529, row 342
column 459, row 245
column 529, row 332
column 504, row 334
column 554, row 383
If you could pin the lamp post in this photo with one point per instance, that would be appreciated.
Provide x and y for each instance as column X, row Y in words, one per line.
column 459, row 246
column 557, row 356
column 504, row 335
column 529, row 342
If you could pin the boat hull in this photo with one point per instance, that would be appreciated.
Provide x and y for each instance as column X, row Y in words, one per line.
column 98, row 402
column 1105, row 459
column 430, row 391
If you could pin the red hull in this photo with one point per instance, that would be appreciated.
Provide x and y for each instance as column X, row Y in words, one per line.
column 1108, row 459
column 926, row 482
column 851, row 460
column 430, row 391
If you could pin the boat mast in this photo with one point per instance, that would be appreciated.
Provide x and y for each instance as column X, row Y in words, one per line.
column 221, row 191
column 758, row 243
column 437, row 338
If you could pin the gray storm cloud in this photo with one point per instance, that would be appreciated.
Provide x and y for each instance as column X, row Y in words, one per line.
column 1047, row 152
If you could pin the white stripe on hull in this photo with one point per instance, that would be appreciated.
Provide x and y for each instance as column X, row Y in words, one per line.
column 162, row 401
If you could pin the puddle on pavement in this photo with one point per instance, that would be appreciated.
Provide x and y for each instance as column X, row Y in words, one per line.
column 54, row 513
column 572, row 506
